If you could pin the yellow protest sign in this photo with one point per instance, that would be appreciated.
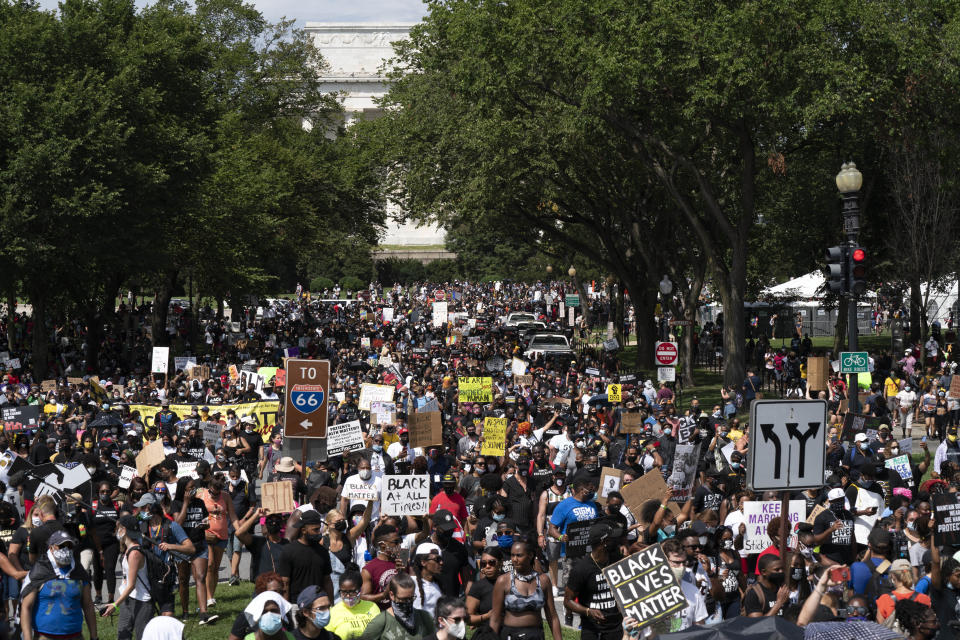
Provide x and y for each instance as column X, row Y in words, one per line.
column 613, row 393
column 264, row 414
column 494, row 437
column 475, row 389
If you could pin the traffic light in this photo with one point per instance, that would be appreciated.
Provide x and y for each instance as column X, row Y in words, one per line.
column 858, row 271
column 836, row 270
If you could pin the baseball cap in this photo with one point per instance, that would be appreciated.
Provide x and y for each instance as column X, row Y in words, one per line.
column 403, row 430
column 310, row 517
column 443, row 520
column 836, row 494
column 603, row 530
column 61, row 537
column 860, row 437
column 425, row 548
column 146, row 500
column 449, row 478
column 900, row 565
column 308, row 595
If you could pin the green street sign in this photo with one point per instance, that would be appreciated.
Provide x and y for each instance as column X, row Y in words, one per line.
column 854, row 362
column 573, row 300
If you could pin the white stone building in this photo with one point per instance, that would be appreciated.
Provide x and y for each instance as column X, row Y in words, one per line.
column 355, row 54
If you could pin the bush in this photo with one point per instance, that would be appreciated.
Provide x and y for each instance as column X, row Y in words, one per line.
column 442, row 271
column 394, row 270
column 320, row 283
column 352, row 283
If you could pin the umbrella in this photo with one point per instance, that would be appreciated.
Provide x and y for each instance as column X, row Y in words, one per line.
column 600, row 398
column 850, row 630
column 361, row 365
column 742, row 628
column 106, row 419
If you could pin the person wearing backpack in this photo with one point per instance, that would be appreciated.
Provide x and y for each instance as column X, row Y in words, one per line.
column 134, row 601
column 870, row 576
column 901, row 577
column 163, row 535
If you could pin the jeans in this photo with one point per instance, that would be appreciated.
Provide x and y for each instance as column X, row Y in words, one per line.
column 133, row 617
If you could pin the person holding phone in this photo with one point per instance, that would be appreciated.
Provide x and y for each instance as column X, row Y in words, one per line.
column 833, row 530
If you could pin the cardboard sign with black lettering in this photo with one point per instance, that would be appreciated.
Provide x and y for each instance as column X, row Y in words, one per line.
column 647, row 487
column 644, row 586
column 426, row 429
column 405, row 495
column 631, row 422
column 277, row 496
column 946, row 511
column 578, row 538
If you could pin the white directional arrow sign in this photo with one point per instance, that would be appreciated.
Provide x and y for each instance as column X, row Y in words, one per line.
column 306, row 424
column 787, row 444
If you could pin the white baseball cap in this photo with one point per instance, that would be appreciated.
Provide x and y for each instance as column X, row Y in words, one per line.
column 836, row 494
column 860, row 437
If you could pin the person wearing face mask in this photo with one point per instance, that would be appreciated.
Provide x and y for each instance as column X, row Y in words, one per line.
column 265, row 551
column 401, row 621
column 469, row 486
column 380, row 461
column 450, row 500
column 134, row 600
column 696, row 610
column 832, row 530
column 340, row 537
column 350, row 616
column 587, row 592
column 305, row 561
column 267, row 612
column 365, row 480
column 426, row 568
column 313, row 615
column 769, row 594
column 577, row 508
column 450, row 620
column 948, row 451
column 107, row 546
column 56, row 601
column 457, row 574
column 519, row 491
column 401, row 452
column 222, row 519
column 254, row 444
column 729, row 571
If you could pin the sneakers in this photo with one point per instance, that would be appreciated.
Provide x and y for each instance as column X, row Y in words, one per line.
column 234, row 581
column 184, row 617
column 208, row 618
column 97, row 601
column 212, row 602
column 556, row 591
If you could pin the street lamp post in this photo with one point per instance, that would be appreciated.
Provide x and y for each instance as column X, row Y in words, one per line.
column 849, row 181
column 666, row 288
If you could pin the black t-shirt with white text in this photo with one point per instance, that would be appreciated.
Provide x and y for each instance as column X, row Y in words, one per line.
column 592, row 591
column 838, row 546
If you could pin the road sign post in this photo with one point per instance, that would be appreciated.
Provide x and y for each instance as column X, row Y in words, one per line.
column 788, row 444
column 305, row 401
column 854, row 362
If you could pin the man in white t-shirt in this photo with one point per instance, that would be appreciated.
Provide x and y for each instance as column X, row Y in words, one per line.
column 397, row 449
column 561, row 450
column 907, row 398
column 367, row 484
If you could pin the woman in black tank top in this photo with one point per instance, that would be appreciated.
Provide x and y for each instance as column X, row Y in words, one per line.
column 339, row 537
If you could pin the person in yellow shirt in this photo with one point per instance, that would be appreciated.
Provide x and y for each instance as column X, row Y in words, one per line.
column 350, row 616
column 891, row 387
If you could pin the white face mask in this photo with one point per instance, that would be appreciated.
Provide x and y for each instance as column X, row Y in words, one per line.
column 458, row 630
column 36, row 521
column 365, row 474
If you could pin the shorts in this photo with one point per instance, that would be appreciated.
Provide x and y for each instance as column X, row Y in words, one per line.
column 522, row 633
column 929, row 414
column 552, row 550
column 222, row 544
column 201, row 550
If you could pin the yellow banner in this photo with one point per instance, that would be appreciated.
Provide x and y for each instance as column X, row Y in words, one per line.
column 494, row 437
column 475, row 389
column 613, row 393
column 264, row 414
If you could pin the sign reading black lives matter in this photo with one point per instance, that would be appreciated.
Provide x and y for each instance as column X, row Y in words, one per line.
column 645, row 587
column 946, row 512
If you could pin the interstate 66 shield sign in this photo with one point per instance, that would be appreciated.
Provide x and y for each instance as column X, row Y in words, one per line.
column 305, row 405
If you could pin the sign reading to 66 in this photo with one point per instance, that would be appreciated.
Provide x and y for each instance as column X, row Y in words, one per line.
column 307, row 398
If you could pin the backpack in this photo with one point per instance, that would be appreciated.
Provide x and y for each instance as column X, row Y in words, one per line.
column 890, row 622
column 879, row 582
column 162, row 574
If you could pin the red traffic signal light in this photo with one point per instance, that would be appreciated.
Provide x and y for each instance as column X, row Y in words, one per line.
column 859, row 255
column 858, row 271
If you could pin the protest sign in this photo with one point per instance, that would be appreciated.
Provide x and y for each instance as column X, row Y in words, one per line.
column 439, row 314
column 185, row 469
column 18, row 418
column 426, row 405
column 383, row 413
column 234, row 373
column 211, row 431
column 199, row 372
column 644, row 586
column 954, row 391
column 611, row 344
column 277, row 497
column 631, row 423
column 817, row 510
column 405, row 495
column 151, row 456
column 906, row 446
column 264, row 413
column 387, row 315
column 48, row 385
column 649, row 486
column 863, row 525
column 524, row 380
column 356, row 489
column 160, row 360
column 613, row 393
column 684, row 471
column 518, row 366
column 578, row 538
column 758, row 515
column 900, row 464
column 375, row 393
column 592, row 371
column 68, row 479
column 13, row 363
column 184, row 363
column 426, row 429
column 280, row 379
column 344, row 437
column 946, row 512
column 854, row 423
column 494, row 437
column 817, row 373
column 610, row 480
column 74, row 380
column 127, row 474
column 475, row 389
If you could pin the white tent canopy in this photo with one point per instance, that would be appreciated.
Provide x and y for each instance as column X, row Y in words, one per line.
column 805, row 287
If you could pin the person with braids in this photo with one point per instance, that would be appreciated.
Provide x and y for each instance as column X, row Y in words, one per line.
column 521, row 595
column 480, row 596
column 427, row 565
column 378, row 572
column 271, row 581
column 918, row 620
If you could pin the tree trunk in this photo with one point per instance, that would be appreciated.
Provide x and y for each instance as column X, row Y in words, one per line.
column 161, row 305
column 94, row 335
column 734, row 331
column 39, row 337
column 219, row 307
column 644, row 306
column 916, row 310
column 11, row 311
column 618, row 318
column 584, row 302
column 840, row 328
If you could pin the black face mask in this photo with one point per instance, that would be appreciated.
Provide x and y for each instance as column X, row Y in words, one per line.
column 341, row 526
column 314, row 538
column 776, row 579
column 836, row 506
column 797, row 573
column 613, row 510
column 273, row 526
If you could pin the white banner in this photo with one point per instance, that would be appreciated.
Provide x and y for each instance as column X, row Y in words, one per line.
column 387, row 314
column 344, row 437
column 405, row 496
column 439, row 314
column 758, row 515
column 374, row 393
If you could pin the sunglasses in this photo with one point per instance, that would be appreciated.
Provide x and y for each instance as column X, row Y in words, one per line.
column 160, row 490
column 457, row 620
column 486, row 563
column 857, row 610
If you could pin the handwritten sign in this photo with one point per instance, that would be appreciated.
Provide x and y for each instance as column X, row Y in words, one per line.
column 426, row 429
column 644, row 586
column 475, row 389
column 405, row 495
column 758, row 515
column 187, row 469
column 277, row 496
column 356, row 489
column 900, row 464
column 383, row 413
column 151, row 456
column 494, row 437
column 127, row 474
column 161, row 357
column 344, row 437
column 631, row 423
column 524, row 380
column 370, row 393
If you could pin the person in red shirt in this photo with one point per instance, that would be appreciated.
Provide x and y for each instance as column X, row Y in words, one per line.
column 453, row 502
column 773, row 532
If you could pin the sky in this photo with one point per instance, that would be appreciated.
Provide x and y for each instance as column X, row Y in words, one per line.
column 303, row 11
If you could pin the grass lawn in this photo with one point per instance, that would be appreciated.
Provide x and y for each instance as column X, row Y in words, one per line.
column 230, row 602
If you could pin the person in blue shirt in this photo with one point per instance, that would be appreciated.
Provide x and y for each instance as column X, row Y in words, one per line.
column 879, row 542
column 56, row 597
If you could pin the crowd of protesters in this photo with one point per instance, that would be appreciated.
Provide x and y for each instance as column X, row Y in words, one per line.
column 490, row 558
